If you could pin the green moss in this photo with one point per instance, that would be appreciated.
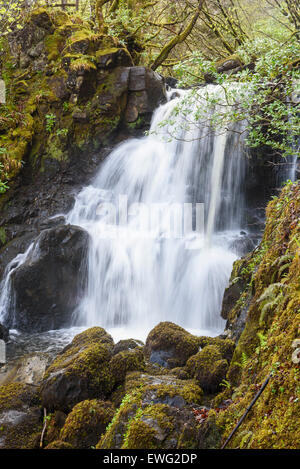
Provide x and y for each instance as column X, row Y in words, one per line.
column 19, row 402
column 16, row 395
column 148, row 427
column 169, row 337
column 188, row 390
column 59, row 445
column 208, row 368
column 86, row 423
column 2, row 235
column 86, row 361
column 266, row 343
column 225, row 346
column 122, row 362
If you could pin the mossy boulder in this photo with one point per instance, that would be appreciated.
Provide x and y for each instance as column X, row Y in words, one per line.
column 20, row 416
column 123, row 362
column 225, row 346
column 127, row 344
column 86, row 423
column 156, row 412
column 170, row 345
column 81, row 371
column 208, row 368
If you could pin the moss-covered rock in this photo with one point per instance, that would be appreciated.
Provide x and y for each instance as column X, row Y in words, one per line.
column 127, row 344
column 266, row 345
column 123, row 362
column 57, row 444
column 156, row 412
column 20, row 416
column 226, row 347
column 81, row 371
column 208, row 368
column 170, row 345
column 86, row 423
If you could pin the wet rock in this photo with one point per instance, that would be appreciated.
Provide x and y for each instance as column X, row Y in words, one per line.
column 20, row 417
column 170, row 345
column 242, row 245
column 4, row 333
column 81, row 371
column 231, row 296
column 48, row 284
column 208, row 368
column 29, row 369
column 86, row 423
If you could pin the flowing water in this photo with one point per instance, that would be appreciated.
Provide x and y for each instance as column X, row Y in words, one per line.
column 141, row 272
column 150, row 259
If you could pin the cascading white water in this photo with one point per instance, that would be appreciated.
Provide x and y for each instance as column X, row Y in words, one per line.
column 138, row 277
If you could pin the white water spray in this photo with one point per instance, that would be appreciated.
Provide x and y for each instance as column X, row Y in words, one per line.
column 136, row 280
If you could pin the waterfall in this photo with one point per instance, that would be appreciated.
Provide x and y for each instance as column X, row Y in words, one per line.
column 149, row 260
column 138, row 277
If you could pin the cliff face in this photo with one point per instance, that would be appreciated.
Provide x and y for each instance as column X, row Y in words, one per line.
column 71, row 94
column 265, row 322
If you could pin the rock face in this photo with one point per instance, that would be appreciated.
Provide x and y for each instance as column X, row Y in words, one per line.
column 48, row 284
column 146, row 90
column 269, row 306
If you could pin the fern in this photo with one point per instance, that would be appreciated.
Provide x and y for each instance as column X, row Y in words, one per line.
column 270, row 298
column 82, row 63
column 243, row 361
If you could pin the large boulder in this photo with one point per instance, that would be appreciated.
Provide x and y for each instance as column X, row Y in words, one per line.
column 156, row 413
column 81, row 371
column 48, row 285
column 170, row 345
